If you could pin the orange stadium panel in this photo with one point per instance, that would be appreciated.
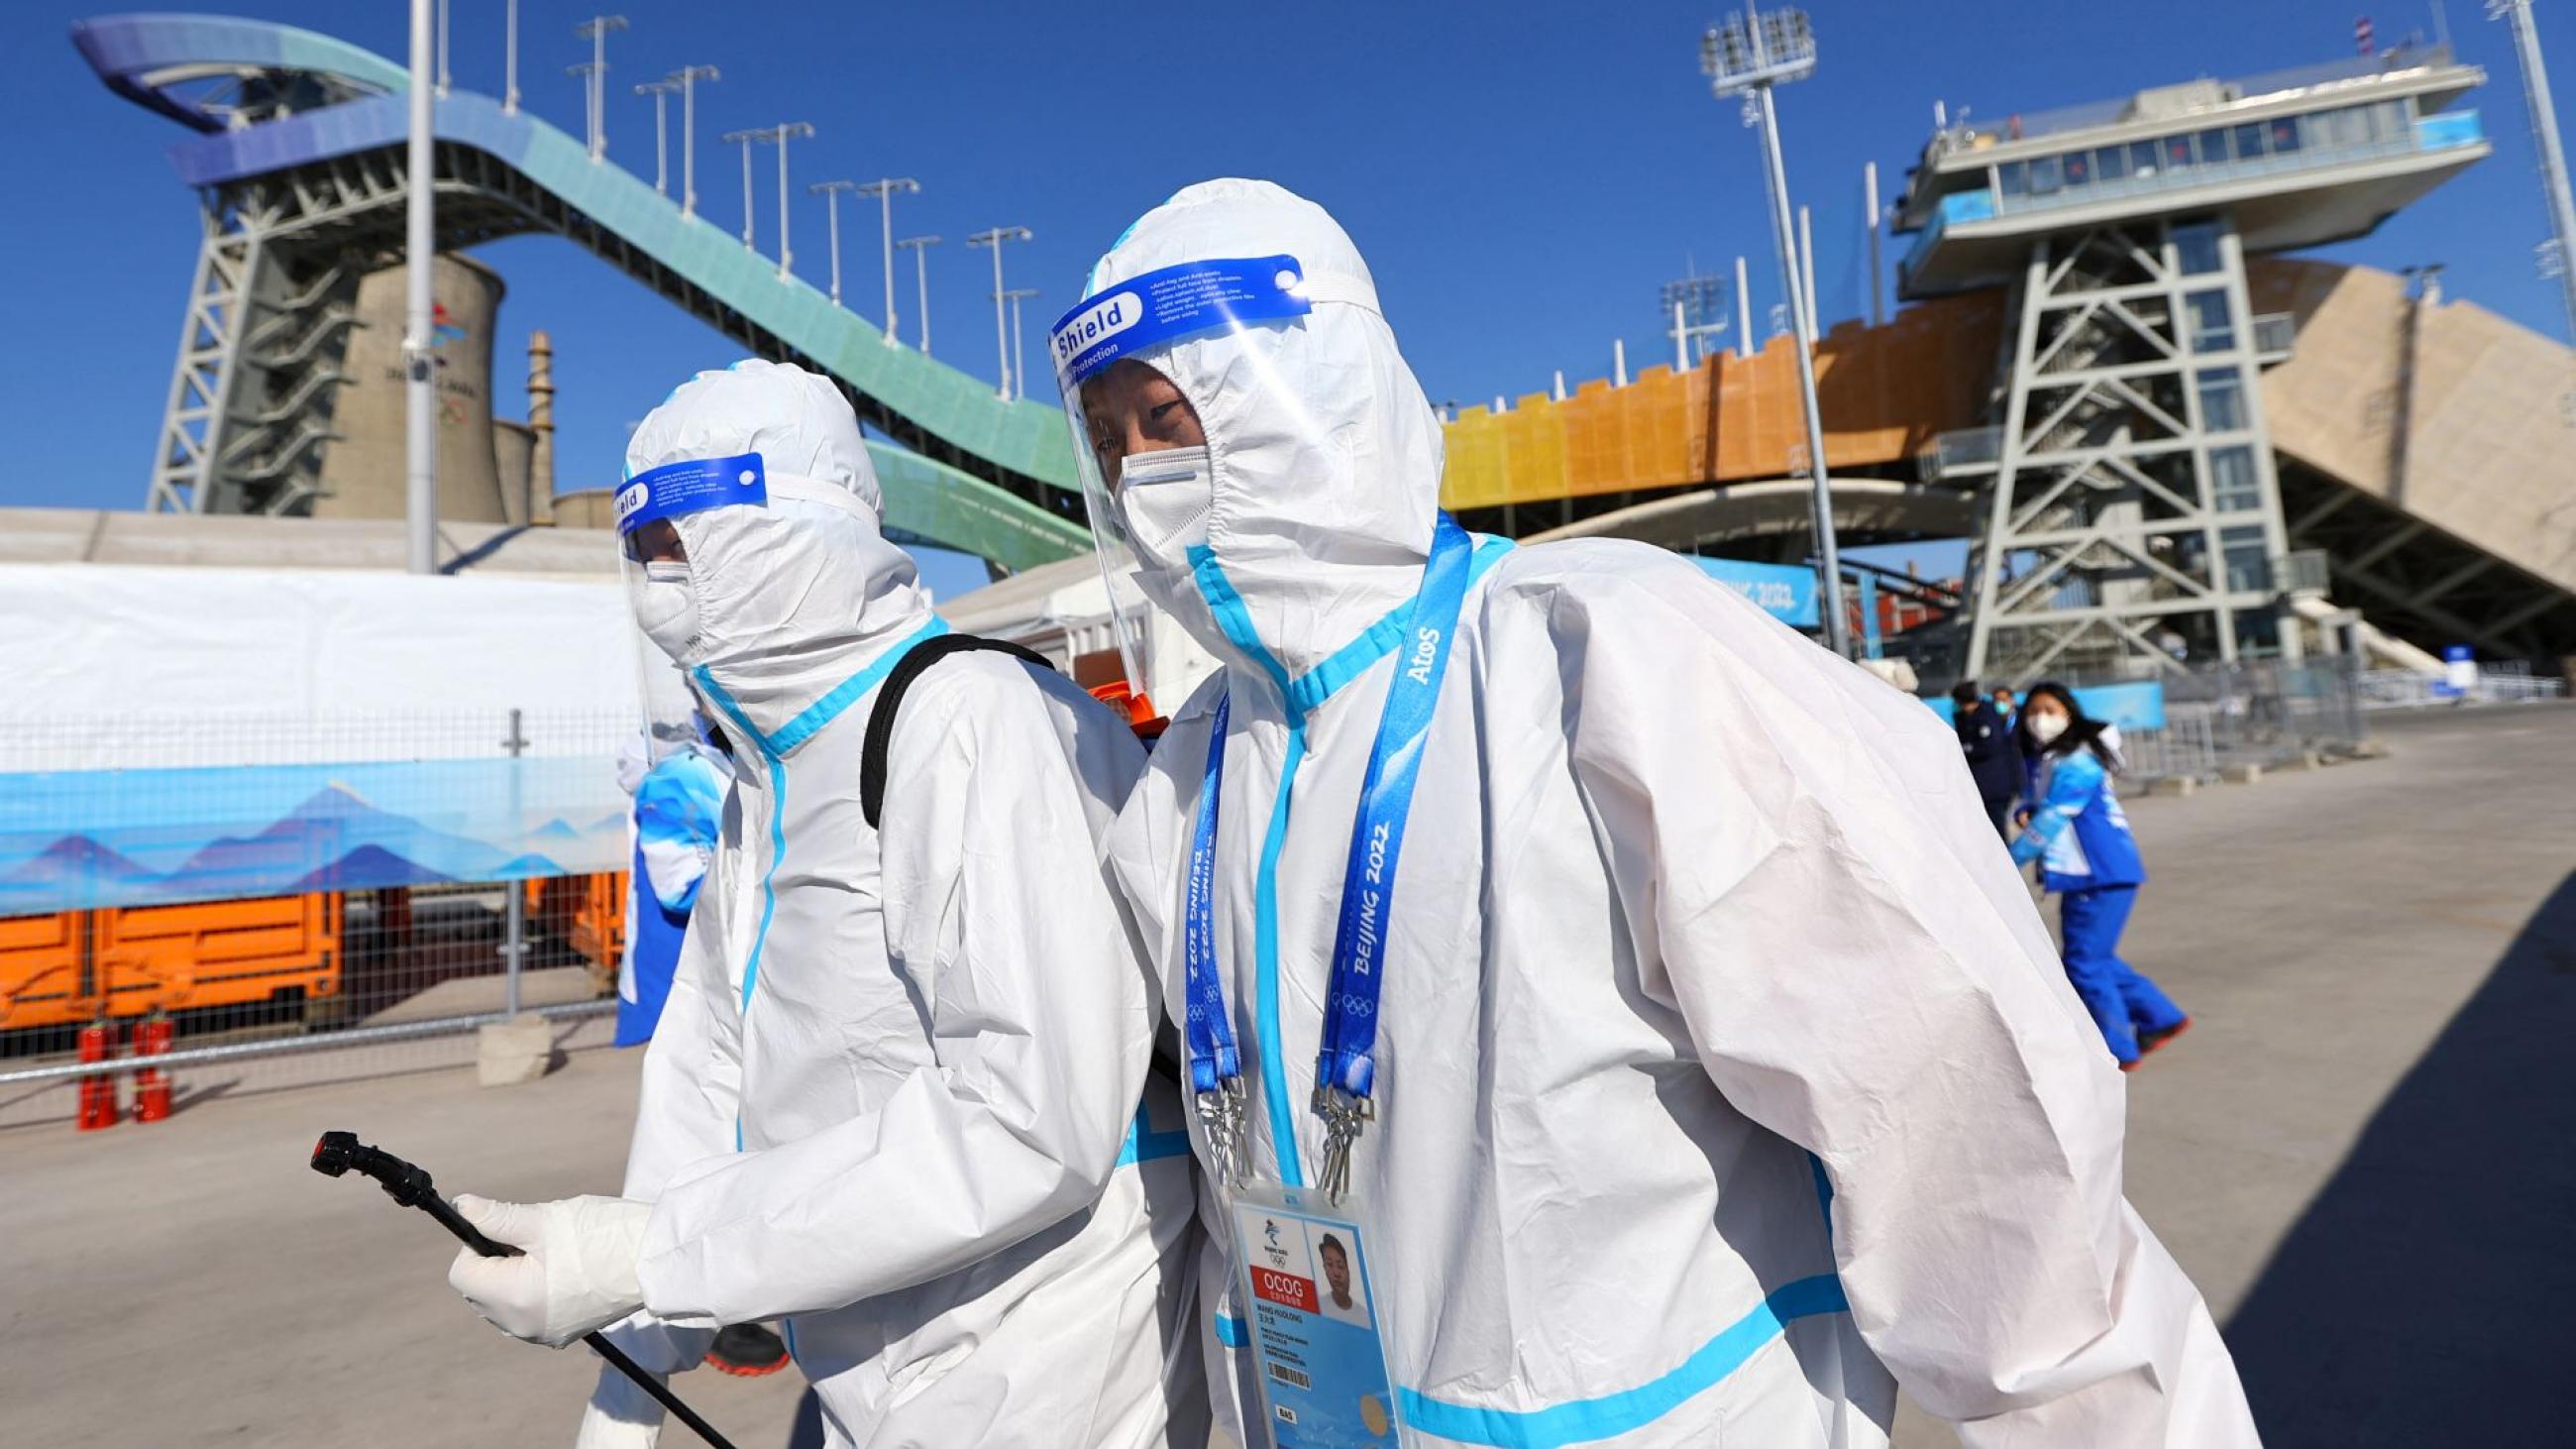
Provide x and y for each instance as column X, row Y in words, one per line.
column 1886, row 391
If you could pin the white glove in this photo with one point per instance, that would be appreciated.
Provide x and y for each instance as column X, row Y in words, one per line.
column 576, row 1271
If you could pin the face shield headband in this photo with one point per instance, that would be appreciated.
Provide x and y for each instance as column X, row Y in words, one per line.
column 692, row 485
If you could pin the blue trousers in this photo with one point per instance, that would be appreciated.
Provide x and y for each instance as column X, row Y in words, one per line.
column 2123, row 1001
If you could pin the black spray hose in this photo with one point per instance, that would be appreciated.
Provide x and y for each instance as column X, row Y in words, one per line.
column 340, row 1152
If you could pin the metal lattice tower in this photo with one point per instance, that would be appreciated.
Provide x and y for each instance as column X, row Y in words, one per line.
column 2133, row 516
column 2132, row 502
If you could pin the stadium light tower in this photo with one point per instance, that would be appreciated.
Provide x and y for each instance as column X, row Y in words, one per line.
column 595, row 30
column 420, row 264
column 884, row 189
column 778, row 136
column 2544, row 135
column 510, row 61
column 591, row 74
column 994, row 238
column 831, row 191
column 688, row 76
column 660, row 91
column 1019, row 354
column 744, row 140
column 918, row 246
column 1747, row 56
column 1697, row 305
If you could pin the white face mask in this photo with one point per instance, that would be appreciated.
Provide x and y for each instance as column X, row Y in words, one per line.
column 666, row 607
column 1163, row 499
column 2045, row 728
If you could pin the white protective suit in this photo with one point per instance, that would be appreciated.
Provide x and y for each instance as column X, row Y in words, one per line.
column 1725, row 1074
column 893, row 1100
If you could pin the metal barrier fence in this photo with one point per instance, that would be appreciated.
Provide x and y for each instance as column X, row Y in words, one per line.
column 2182, row 749
column 2260, row 713
column 2508, row 682
column 207, row 906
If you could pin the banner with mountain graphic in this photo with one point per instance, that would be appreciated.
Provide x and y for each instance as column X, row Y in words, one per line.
column 84, row 839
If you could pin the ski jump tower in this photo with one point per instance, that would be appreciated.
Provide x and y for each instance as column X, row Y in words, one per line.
column 2132, row 512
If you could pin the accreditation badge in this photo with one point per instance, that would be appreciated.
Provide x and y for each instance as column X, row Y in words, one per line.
column 1302, row 1268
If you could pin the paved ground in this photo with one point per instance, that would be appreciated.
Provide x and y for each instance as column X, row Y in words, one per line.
column 2365, row 1153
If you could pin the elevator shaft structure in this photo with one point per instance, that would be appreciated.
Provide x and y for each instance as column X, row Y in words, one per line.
column 2132, row 509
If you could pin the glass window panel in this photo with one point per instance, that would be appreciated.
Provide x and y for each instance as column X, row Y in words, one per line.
column 2014, row 178
column 2196, row 246
column 2177, row 153
column 2111, row 163
column 2388, row 121
column 2043, row 175
column 2212, row 330
column 2233, row 486
column 2283, row 135
column 2077, row 167
column 2222, row 400
column 2213, row 146
column 2249, row 142
column 2142, row 157
column 2249, row 562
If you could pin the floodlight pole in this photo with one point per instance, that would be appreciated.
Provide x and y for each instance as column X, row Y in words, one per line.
column 918, row 246
column 510, row 62
column 660, row 91
column 994, row 237
column 420, row 265
column 2553, row 156
column 688, row 76
column 744, row 140
column 595, row 30
column 884, row 189
column 1738, row 61
column 831, row 191
column 774, row 138
column 1019, row 354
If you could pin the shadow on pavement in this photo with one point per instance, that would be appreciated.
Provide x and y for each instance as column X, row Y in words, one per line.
column 2424, row 1296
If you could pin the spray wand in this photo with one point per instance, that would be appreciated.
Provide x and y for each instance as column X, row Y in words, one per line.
column 338, row 1153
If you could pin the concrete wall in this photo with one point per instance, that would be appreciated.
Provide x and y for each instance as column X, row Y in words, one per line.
column 2490, row 456
column 363, row 468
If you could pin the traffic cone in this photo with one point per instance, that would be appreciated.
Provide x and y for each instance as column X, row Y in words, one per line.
column 97, row 1092
column 151, row 1084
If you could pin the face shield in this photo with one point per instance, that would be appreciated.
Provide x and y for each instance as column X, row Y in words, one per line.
column 665, row 598
column 1148, row 481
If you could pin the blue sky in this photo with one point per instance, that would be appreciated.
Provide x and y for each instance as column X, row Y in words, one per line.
column 1521, row 176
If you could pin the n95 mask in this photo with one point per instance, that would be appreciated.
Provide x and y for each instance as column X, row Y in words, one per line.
column 2045, row 728
column 666, row 607
column 1164, row 498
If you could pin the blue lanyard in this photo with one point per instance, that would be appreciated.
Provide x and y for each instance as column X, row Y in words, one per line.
column 1346, row 1066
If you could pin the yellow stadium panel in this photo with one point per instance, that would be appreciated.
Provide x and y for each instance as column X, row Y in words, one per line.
column 1472, row 476
column 1885, row 393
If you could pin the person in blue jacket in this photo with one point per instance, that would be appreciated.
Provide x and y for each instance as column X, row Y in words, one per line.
column 2089, row 860
column 679, row 803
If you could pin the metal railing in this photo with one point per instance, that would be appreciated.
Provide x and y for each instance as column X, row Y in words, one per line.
column 1961, row 450
column 2226, row 94
column 2260, row 712
column 2183, row 749
column 2505, row 682
column 2276, row 336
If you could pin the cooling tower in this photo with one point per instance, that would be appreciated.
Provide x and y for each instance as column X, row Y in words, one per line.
column 362, row 467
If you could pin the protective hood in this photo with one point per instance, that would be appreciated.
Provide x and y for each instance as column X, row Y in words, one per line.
column 800, row 594
column 1324, row 455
